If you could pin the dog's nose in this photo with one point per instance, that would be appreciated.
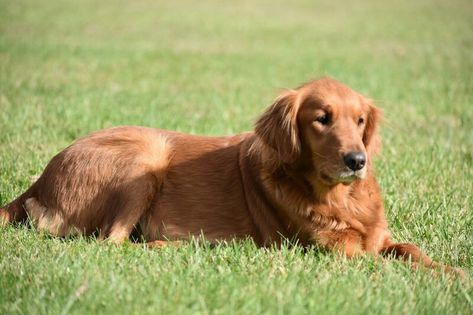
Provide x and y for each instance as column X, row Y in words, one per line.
column 355, row 160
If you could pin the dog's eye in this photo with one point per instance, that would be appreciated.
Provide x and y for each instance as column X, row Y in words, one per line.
column 324, row 120
column 361, row 121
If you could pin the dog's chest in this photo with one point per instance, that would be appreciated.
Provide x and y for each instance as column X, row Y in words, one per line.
column 319, row 221
column 335, row 214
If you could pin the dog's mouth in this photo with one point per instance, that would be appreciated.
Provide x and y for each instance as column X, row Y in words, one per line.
column 343, row 177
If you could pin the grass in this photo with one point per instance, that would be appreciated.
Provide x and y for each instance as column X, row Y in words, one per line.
column 210, row 67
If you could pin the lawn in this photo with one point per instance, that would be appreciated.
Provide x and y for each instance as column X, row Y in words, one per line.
column 210, row 67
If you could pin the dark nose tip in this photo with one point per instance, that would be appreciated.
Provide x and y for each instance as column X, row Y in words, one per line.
column 355, row 160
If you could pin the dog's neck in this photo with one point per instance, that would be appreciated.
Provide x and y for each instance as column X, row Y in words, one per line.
column 320, row 192
column 300, row 174
column 298, row 197
column 332, row 195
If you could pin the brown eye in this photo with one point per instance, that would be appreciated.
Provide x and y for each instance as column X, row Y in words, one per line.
column 361, row 121
column 324, row 119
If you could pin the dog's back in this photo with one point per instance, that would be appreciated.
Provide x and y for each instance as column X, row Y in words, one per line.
column 202, row 192
column 173, row 185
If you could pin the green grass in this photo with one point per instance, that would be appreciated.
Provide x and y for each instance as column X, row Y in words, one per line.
column 210, row 67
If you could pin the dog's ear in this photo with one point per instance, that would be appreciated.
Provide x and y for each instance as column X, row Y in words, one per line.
column 277, row 127
column 371, row 138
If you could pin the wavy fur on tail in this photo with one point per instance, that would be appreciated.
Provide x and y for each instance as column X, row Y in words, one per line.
column 15, row 211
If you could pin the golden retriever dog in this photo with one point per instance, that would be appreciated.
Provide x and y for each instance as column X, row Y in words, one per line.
column 305, row 173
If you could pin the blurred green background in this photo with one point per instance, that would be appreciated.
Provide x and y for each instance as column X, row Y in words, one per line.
column 211, row 67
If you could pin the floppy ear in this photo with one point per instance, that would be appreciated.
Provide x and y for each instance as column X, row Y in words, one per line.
column 371, row 139
column 277, row 127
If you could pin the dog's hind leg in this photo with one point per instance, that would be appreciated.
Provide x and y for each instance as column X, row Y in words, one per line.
column 47, row 219
column 134, row 200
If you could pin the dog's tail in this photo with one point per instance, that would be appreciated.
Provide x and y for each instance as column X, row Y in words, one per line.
column 4, row 216
column 15, row 211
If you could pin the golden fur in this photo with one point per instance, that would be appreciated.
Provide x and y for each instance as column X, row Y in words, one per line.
column 286, row 179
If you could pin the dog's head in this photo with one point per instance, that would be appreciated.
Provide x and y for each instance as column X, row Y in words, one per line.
column 323, row 123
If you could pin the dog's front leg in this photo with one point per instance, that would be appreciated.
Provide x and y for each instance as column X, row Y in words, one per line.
column 412, row 254
column 347, row 242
